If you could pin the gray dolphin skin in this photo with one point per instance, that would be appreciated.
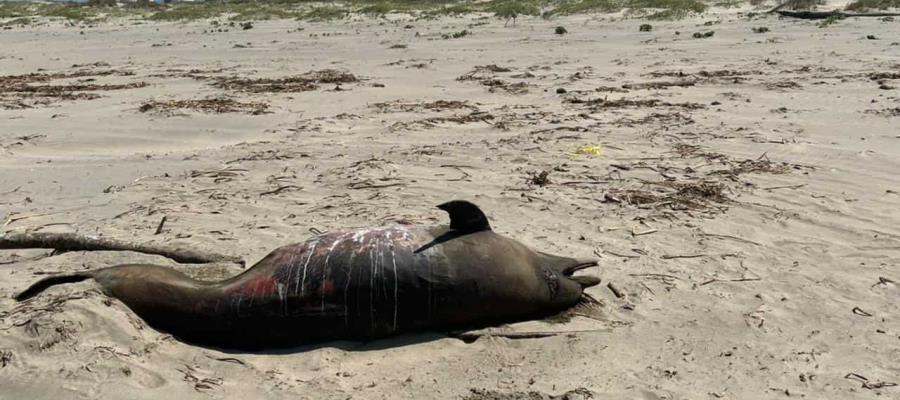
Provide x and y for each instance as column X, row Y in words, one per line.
column 356, row 284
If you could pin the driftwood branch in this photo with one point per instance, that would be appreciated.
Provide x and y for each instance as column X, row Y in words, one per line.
column 615, row 289
column 830, row 14
column 74, row 242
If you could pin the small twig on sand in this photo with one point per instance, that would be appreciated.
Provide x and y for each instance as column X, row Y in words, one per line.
column 14, row 218
column 279, row 190
column 18, row 260
column 615, row 289
column 227, row 359
column 12, row 191
column 62, row 242
column 860, row 312
column 634, row 232
column 159, row 228
column 704, row 234
column 786, row 187
column 471, row 336
column 369, row 185
column 657, row 276
column 882, row 281
column 713, row 280
column 865, row 381
column 583, row 183
column 620, row 255
column 465, row 176
column 671, row 256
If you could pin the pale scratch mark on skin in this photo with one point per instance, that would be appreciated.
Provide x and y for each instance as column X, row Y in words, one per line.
column 359, row 235
column 305, row 265
column 396, row 299
column 253, row 295
column 347, row 289
column 373, row 269
column 387, row 238
column 291, row 267
column 325, row 268
column 281, row 296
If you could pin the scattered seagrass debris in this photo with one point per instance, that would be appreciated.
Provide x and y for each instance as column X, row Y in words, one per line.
column 37, row 87
column 194, row 73
column 432, row 122
column 610, row 89
column 538, row 178
column 13, row 80
column 300, row 83
column 732, row 76
column 510, row 87
column 64, row 242
column 218, row 175
column 678, row 196
column 786, row 84
column 604, row 103
column 761, row 164
column 670, row 119
column 886, row 112
column 486, row 76
column 438, row 105
column 269, row 155
column 658, row 85
column 692, row 150
column 212, row 105
column 877, row 76
column 483, row 71
column 9, row 143
column 490, row 394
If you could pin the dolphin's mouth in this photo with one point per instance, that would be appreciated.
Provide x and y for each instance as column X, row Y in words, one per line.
column 580, row 265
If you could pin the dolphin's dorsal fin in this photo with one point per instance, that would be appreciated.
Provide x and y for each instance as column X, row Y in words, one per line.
column 465, row 217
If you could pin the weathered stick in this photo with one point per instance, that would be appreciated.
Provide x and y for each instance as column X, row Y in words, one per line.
column 159, row 228
column 615, row 289
column 76, row 242
column 714, row 280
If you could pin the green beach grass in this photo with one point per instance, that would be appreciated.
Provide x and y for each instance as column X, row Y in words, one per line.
column 252, row 10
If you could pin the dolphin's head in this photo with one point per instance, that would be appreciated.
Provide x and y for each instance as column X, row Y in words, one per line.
column 564, row 288
column 533, row 280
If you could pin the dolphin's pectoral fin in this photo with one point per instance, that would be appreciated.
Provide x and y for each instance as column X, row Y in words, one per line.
column 465, row 217
column 451, row 234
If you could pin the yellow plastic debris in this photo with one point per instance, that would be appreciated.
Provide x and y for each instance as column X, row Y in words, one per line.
column 589, row 150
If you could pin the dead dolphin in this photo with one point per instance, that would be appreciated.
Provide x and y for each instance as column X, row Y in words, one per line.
column 356, row 284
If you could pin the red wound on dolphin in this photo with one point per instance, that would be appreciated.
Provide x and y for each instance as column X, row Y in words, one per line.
column 261, row 285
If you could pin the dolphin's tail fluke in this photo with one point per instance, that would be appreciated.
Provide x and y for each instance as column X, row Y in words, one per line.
column 42, row 284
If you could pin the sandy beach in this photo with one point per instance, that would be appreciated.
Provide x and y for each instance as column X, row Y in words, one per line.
column 741, row 190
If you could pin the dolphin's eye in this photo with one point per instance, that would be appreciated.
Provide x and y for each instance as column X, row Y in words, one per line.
column 552, row 280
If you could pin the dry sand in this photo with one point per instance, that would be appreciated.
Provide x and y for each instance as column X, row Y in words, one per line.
column 750, row 217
